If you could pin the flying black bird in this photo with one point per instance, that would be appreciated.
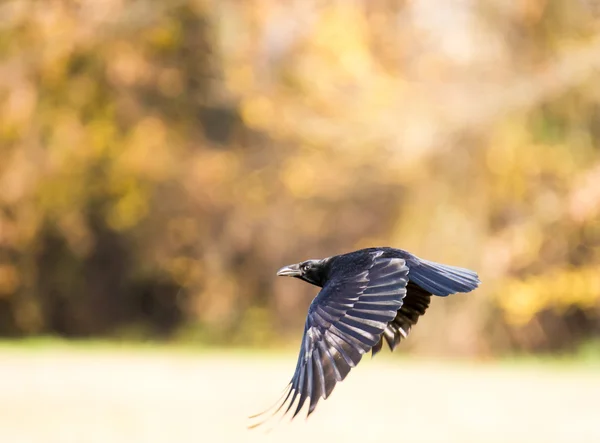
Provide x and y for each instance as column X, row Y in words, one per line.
column 367, row 296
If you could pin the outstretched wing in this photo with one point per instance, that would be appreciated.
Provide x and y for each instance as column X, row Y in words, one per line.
column 414, row 305
column 426, row 278
column 345, row 321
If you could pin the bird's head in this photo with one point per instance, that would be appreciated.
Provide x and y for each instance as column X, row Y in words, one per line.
column 311, row 271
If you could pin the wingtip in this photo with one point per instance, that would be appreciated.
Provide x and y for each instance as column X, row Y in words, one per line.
column 274, row 409
column 260, row 425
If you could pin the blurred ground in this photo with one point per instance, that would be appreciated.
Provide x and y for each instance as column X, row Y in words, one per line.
column 68, row 395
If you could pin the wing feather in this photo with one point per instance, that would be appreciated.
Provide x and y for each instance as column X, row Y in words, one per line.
column 346, row 320
column 414, row 305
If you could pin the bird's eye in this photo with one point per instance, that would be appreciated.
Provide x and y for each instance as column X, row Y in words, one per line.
column 306, row 266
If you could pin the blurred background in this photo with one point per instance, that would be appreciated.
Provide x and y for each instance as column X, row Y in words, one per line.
column 160, row 160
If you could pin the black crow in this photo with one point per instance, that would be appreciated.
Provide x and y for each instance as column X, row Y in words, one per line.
column 367, row 296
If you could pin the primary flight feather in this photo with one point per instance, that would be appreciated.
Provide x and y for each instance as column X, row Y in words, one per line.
column 367, row 296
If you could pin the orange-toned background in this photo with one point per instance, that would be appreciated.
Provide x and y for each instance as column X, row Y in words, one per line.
column 151, row 145
column 160, row 160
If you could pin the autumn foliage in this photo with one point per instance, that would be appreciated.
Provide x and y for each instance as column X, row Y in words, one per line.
column 161, row 160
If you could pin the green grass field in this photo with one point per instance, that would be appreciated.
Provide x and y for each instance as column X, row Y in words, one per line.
column 100, row 392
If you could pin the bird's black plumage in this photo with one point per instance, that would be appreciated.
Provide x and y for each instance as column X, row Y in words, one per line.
column 367, row 296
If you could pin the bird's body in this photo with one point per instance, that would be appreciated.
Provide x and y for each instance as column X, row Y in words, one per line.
column 368, row 296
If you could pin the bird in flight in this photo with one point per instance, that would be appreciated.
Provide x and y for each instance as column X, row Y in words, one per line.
column 367, row 297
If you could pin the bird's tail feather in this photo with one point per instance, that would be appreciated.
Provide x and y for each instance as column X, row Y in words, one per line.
column 443, row 280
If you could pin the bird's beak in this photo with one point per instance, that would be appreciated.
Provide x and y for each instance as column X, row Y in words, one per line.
column 290, row 271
